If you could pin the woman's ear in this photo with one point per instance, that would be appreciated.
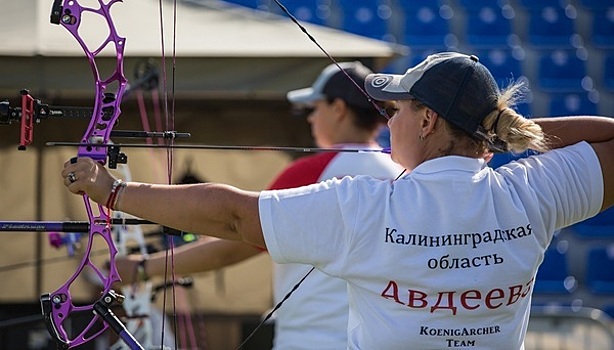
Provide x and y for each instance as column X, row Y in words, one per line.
column 339, row 107
column 429, row 121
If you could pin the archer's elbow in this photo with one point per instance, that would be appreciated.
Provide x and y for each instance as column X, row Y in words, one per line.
column 248, row 226
column 605, row 153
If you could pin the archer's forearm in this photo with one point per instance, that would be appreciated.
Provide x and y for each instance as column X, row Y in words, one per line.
column 565, row 131
column 204, row 255
column 210, row 209
column 598, row 131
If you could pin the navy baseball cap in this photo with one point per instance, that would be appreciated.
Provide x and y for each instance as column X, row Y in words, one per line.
column 332, row 82
column 456, row 86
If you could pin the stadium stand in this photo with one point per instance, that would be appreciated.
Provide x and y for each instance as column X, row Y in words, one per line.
column 599, row 226
column 600, row 270
column 312, row 11
column 608, row 72
column 561, row 71
column 603, row 27
column 427, row 26
column 366, row 17
column 538, row 4
column 553, row 276
column 489, row 26
column 263, row 5
column 472, row 5
column 550, row 27
column 596, row 4
column 572, row 104
column 503, row 64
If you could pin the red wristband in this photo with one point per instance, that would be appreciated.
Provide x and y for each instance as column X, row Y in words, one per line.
column 117, row 187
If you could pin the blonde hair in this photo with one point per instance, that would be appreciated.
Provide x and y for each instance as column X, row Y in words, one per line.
column 505, row 127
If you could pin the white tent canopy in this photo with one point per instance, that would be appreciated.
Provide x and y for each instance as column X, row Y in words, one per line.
column 221, row 50
column 210, row 29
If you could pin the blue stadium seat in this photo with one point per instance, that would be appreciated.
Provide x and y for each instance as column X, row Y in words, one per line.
column 413, row 6
column 538, row 4
column 599, row 226
column 427, row 27
column 502, row 64
column 247, row 3
column 312, row 11
column 550, row 27
column 553, row 275
column 472, row 5
column 403, row 63
column 561, row 71
column 600, row 270
column 602, row 29
column 609, row 310
column 255, row 4
column 489, row 27
column 596, row 4
column 524, row 109
column 608, row 72
column 572, row 104
column 500, row 159
column 367, row 18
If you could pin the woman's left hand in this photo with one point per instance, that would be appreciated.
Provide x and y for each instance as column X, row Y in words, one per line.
column 86, row 176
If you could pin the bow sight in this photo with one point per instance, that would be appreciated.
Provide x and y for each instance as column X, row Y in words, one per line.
column 32, row 111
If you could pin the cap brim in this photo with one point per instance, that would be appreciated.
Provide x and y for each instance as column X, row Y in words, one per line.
column 386, row 87
column 303, row 96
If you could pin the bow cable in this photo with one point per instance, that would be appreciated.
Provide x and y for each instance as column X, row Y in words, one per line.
column 381, row 110
column 169, row 114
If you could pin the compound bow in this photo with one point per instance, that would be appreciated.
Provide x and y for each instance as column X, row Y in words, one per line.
column 58, row 307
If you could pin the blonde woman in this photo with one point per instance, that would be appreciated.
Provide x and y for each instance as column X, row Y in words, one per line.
column 445, row 256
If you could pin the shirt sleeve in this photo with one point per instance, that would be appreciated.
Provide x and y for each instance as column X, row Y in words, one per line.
column 568, row 180
column 309, row 225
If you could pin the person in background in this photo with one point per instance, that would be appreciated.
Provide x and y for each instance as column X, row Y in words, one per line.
column 445, row 256
column 340, row 116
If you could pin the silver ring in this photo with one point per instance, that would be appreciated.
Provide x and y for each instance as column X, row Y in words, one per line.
column 71, row 177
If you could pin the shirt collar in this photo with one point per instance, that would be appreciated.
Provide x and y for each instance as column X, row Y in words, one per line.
column 457, row 163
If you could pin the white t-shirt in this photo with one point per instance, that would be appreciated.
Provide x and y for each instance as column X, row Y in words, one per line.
column 316, row 315
column 446, row 256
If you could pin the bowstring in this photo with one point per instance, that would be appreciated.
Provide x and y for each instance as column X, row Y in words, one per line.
column 169, row 140
column 170, row 126
column 277, row 306
column 380, row 110
column 169, row 121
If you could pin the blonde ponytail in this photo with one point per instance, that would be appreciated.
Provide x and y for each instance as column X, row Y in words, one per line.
column 505, row 125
